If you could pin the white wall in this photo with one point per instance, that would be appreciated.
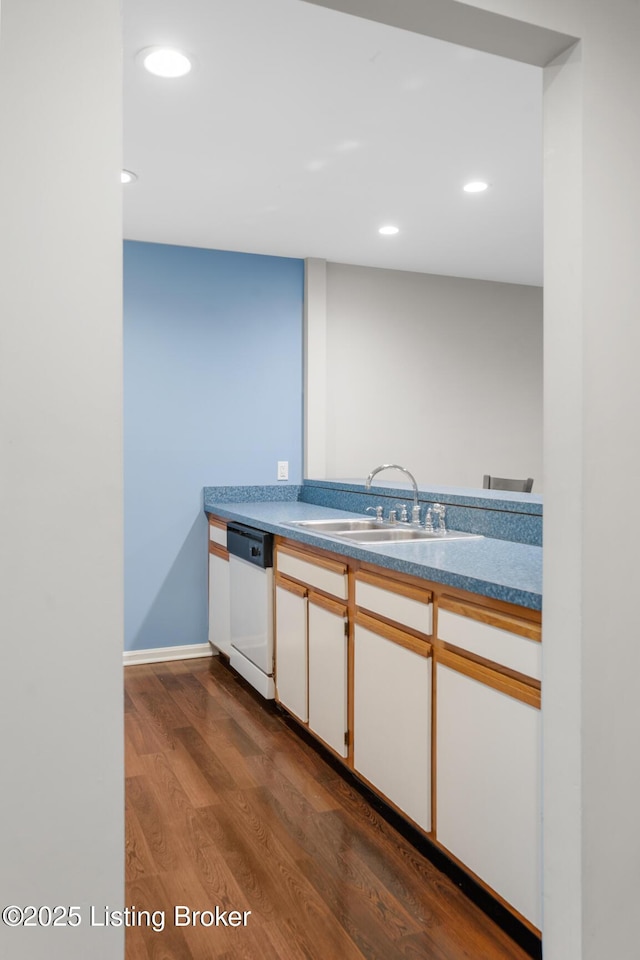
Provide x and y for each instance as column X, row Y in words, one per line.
column 61, row 800
column 440, row 374
column 315, row 369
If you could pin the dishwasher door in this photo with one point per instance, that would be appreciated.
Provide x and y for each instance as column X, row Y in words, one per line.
column 252, row 612
column 251, row 603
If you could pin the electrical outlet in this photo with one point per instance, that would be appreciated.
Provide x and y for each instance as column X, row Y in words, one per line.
column 283, row 469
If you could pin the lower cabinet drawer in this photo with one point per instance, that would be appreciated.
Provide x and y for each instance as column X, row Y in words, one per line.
column 218, row 534
column 329, row 577
column 491, row 642
column 407, row 611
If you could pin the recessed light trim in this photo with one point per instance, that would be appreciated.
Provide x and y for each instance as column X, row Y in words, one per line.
column 165, row 62
column 128, row 176
column 389, row 230
column 475, row 186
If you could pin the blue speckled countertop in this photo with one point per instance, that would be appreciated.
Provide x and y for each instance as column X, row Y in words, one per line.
column 492, row 568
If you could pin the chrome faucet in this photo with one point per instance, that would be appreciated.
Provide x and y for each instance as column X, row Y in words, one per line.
column 415, row 511
column 440, row 512
column 402, row 507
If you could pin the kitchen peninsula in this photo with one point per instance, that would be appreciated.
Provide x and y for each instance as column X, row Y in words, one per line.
column 416, row 663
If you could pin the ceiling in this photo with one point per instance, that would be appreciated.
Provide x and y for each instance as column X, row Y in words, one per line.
column 300, row 131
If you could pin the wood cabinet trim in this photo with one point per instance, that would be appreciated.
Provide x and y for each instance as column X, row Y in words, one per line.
column 496, row 618
column 434, row 745
column 308, row 555
column 351, row 611
column 525, row 692
column 217, row 522
column 394, row 634
column 328, row 603
column 291, row 585
column 493, row 665
column 218, row 551
column 420, row 636
column 380, row 580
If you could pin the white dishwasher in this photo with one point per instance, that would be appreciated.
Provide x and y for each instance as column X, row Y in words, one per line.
column 251, row 602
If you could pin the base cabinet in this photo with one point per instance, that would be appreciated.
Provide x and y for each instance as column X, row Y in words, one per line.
column 428, row 696
column 488, row 807
column 392, row 721
column 328, row 676
column 311, row 662
column 291, row 650
column 219, row 605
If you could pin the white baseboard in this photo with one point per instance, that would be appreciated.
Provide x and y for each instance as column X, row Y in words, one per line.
column 189, row 651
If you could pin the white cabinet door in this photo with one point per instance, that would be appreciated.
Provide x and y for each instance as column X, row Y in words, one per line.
column 488, row 787
column 219, row 604
column 291, row 651
column 328, row 676
column 392, row 722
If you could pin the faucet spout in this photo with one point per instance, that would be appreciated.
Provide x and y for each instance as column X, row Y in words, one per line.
column 396, row 466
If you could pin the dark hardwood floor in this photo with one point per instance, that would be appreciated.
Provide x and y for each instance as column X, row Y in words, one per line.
column 227, row 806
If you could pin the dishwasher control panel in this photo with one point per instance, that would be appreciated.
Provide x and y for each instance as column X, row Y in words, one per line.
column 254, row 546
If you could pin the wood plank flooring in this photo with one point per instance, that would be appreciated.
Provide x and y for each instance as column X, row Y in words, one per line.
column 227, row 806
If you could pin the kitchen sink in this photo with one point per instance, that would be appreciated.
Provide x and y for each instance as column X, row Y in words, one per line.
column 372, row 531
column 336, row 526
column 399, row 534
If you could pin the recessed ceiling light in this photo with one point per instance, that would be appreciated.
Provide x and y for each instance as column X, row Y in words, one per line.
column 476, row 186
column 388, row 231
column 127, row 176
column 165, row 62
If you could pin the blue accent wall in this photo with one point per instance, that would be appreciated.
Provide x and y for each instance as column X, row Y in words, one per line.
column 212, row 396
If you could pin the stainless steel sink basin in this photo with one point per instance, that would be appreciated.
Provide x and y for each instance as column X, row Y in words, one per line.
column 372, row 531
column 336, row 526
column 396, row 534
